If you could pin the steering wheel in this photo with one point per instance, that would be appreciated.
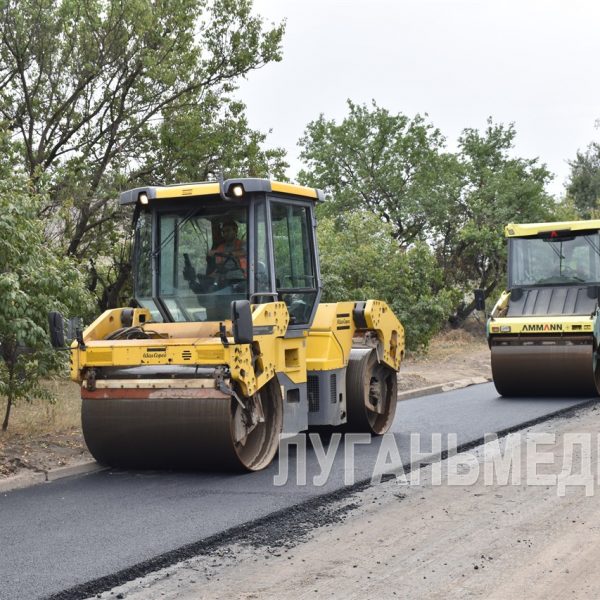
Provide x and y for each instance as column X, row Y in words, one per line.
column 227, row 269
column 224, row 267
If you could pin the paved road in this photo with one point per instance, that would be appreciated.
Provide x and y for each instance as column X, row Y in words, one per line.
column 61, row 534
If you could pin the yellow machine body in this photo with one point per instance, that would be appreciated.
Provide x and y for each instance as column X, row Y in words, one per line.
column 543, row 330
column 325, row 346
column 180, row 390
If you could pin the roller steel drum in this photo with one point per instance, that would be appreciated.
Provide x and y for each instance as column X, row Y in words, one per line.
column 545, row 366
column 179, row 429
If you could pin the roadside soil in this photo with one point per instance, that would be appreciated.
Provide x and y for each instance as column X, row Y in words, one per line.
column 42, row 436
column 452, row 355
column 420, row 540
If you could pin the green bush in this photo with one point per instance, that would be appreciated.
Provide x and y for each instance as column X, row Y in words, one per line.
column 360, row 260
column 33, row 281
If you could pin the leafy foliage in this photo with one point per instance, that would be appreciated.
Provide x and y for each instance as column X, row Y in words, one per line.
column 360, row 259
column 388, row 164
column 455, row 204
column 495, row 189
column 86, row 87
column 584, row 181
column 32, row 282
column 209, row 140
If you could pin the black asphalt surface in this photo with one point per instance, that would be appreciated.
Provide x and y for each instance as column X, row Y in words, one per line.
column 59, row 535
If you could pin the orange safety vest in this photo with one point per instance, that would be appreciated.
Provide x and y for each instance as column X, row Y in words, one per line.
column 239, row 253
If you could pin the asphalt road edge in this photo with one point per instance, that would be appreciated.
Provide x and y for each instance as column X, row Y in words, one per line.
column 28, row 479
column 23, row 480
column 440, row 388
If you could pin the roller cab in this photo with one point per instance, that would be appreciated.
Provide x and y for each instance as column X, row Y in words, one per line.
column 227, row 345
column 542, row 331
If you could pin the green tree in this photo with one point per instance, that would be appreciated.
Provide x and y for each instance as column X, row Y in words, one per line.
column 361, row 260
column 85, row 86
column 584, row 181
column 565, row 210
column 33, row 281
column 387, row 163
column 209, row 140
column 455, row 203
column 496, row 189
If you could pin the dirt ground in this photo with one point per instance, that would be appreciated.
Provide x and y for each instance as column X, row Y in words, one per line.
column 42, row 436
column 421, row 540
column 452, row 355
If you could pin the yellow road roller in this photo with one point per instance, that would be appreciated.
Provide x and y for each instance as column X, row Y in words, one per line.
column 543, row 331
column 226, row 346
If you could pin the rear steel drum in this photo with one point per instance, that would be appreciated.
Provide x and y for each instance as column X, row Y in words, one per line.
column 545, row 366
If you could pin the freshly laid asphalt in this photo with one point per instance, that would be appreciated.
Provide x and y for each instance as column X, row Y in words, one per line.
column 62, row 534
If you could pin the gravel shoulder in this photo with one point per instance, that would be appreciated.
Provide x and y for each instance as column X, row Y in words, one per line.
column 423, row 540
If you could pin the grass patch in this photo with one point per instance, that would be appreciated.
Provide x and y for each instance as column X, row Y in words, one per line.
column 41, row 417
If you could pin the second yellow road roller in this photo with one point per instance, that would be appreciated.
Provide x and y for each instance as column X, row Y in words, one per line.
column 226, row 346
column 543, row 331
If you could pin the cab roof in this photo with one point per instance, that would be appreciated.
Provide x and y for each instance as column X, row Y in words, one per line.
column 215, row 188
column 532, row 229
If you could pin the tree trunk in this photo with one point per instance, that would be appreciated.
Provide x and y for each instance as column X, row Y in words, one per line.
column 464, row 310
column 9, row 354
column 111, row 293
column 7, row 413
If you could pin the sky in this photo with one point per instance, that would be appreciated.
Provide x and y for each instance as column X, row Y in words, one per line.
column 534, row 63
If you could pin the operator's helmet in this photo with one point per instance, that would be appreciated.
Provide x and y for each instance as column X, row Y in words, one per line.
column 229, row 223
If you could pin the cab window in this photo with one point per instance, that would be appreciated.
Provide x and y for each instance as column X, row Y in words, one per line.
column 295, row 277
